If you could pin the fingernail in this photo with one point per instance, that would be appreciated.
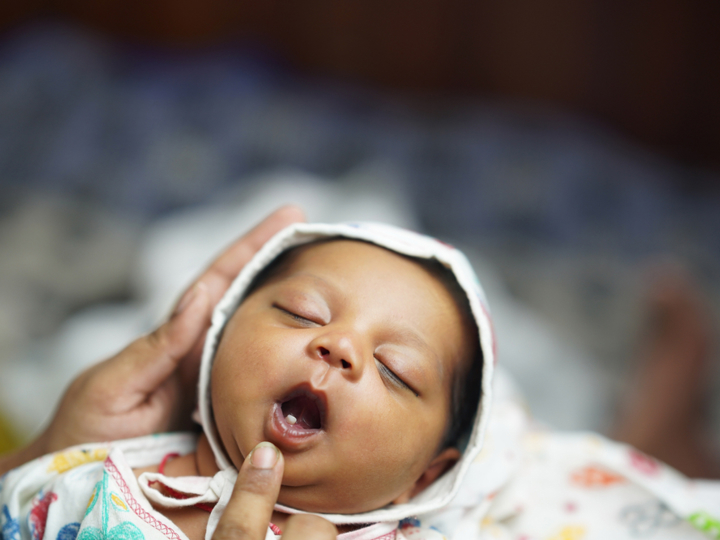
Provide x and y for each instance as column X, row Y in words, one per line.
column 188, row 297
column 264, row 456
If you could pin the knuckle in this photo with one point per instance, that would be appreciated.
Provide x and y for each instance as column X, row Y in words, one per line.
column 157, row 338
column 138, row 348
column 260, row 483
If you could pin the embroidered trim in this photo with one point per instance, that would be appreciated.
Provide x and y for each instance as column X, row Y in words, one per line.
column 135, row 505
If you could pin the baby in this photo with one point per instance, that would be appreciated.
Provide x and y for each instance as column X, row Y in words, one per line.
column 346, row 357
column 365, row 354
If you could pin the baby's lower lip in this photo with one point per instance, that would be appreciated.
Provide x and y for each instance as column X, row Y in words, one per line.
column 287, row 436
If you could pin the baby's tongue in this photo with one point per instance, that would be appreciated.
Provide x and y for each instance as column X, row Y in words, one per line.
column 302, row 412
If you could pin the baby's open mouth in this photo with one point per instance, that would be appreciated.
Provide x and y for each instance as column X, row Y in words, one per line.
column 302, row 411
column 298, row 420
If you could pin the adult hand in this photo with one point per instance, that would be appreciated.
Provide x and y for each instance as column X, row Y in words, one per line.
column 147, row 386
column 250, row 508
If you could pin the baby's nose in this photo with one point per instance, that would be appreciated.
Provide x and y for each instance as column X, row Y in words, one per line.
column 325, row 354
column 339, row 350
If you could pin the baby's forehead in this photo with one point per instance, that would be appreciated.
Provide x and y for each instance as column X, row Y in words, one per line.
column 303, row 255
column 318, row 252
column 350, row 247
column 322, row 254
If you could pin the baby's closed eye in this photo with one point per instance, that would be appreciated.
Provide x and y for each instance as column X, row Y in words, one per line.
column 390, row 376
column 304, row 319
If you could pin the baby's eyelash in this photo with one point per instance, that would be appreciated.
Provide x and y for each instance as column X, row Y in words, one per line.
column 295, row 316
column 397, row 381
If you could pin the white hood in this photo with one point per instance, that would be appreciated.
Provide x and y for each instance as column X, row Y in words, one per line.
column 441, row 492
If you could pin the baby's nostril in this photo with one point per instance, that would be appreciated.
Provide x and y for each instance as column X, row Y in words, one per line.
column 324, row 351
column 345, row 364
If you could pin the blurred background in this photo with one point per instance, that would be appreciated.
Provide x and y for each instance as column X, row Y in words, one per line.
column 573, row 148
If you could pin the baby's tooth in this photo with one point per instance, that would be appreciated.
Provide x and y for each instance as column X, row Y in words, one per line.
column 290, row 419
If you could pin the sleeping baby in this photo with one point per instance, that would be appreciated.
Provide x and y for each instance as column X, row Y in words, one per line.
column 365, row 354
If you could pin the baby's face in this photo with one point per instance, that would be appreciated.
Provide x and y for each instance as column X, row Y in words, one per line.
column 344, row 361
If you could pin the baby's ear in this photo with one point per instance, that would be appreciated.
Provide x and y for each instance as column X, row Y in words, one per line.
column 441, row 463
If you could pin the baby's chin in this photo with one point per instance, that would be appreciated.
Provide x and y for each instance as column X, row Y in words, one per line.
column 317, row 500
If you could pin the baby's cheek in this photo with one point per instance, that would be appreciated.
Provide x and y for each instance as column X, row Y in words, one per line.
column 385, row 437
column 250, row 367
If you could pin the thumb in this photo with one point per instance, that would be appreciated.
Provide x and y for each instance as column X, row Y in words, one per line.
column 250, row 508
column 155, row 356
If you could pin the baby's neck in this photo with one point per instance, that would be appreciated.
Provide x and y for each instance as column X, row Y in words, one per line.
column 202, row 463
column 204, row 458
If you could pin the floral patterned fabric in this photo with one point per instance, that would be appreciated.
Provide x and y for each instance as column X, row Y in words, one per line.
column 87, row 493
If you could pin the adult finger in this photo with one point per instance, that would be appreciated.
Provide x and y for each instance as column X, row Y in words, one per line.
column 223, row 270
column 150, row 359
column 250, row 508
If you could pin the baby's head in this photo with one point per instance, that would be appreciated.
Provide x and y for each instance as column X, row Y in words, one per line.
column 363, row 365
